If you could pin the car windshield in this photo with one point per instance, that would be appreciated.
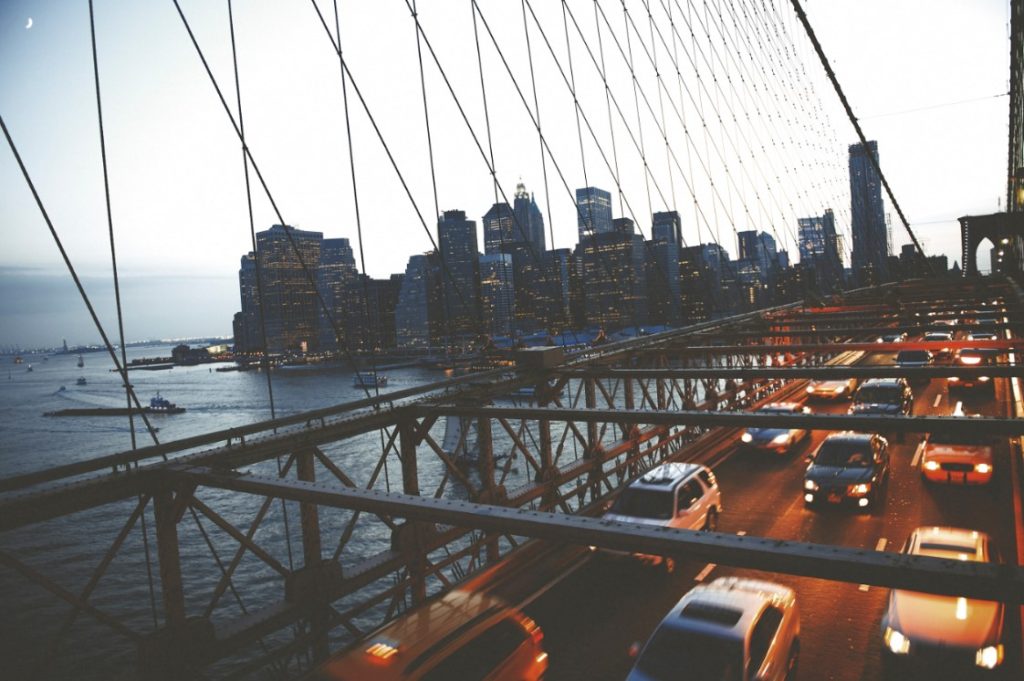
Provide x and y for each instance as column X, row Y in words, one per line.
column 912, row 356
column 844, row 454
column 937, row 336
column 644, row 503
column 689, row 656
column 879, row 394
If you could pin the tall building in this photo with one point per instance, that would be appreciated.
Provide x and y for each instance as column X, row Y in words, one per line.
column 336, row 275
column 497, row 294
column 663, row 280
column 289, row 258
column 593, row 211
column 499, row 229
column 248, row 335
column 417, row 310
column 460, row 270
column 759, row 248
column 870, row 240
column 614, row 277
column 529, row 219
column 819, row 250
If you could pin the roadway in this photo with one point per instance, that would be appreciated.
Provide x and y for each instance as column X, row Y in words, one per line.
column 591, row 618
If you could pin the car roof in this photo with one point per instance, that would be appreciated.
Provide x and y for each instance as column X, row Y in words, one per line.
column 781, row 406
column 418, row 636
column 949, row 542
column 882, row 383
column 666, row 476
column 727, row 606
column 848, row 436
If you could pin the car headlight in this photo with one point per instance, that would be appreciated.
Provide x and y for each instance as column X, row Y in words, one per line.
column 810, row 389
column 747, row 437
column 983, row 468
column 983, row 378
column 989, row 657
column 899, row 644
column 838, row 389
column 931, row 465
column 861, row 488
column 810, row 485
column 953, row 379
column 780, row 439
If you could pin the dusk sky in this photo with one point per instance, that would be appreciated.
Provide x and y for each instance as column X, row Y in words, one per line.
column 928, row 80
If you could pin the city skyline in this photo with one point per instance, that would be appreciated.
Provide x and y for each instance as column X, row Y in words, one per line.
column 151, row 220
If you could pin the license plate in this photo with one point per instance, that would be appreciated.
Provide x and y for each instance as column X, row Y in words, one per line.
column 834, row 497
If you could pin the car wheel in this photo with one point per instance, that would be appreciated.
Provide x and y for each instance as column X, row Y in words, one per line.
column 711, row 521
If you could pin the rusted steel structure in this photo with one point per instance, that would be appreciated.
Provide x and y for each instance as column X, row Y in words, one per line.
column 427, row 516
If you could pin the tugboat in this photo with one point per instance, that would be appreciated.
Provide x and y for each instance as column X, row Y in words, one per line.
column 80, row 381
column 368, row 379
column 160, row 405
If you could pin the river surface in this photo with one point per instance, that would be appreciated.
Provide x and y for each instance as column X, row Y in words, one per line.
column 67, row 550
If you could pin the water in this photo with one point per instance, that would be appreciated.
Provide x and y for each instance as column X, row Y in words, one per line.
column 68, row 549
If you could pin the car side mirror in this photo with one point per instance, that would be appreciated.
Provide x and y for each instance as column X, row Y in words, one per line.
column 634, row 650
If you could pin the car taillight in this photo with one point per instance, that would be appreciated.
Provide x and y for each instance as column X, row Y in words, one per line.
column 536, row 633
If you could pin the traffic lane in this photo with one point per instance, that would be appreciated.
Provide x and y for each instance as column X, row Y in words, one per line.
column 591, row 618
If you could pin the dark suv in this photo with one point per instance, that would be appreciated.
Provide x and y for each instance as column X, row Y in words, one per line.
column 848, row 468
column 883, row 397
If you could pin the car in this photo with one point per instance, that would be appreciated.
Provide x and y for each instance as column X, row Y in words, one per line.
column 847, row 468
column 942, row 352
column 972, row 357
column 778, row 440
column 957, row 459
column 679, row 495
column 982, row 335
column 883, row 396
column 463, row 635
column 898, row 337
column 731, row 629
column 947, row 637
column 833, row 389
column 913, row 358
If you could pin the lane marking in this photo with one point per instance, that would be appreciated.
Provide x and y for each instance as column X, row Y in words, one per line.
column 938, row 399
column 880, row 546
column 917, row 454
column 705, row 572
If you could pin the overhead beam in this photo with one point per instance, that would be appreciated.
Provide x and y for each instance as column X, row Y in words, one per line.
column 894, row 570
column 740, row 419
column 823, row 372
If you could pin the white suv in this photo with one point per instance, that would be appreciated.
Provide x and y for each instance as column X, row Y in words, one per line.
column 680, row 495
column 732, row 628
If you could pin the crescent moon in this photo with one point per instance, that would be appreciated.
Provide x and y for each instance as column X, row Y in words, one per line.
column 29, row 24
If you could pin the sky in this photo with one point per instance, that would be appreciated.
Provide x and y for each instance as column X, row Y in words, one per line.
column 927, row 80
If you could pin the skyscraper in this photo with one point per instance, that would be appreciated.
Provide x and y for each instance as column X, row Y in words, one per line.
column 663, row 280
column 460, row 270
column 819, row 250
column 248, row 335
column 288, row 259
column 419, row 302
column 614, row 277
column 870, row 243
column 499, row 229
column 336, row 276
column 529, row 219
column 497, row 295
column 593, row 211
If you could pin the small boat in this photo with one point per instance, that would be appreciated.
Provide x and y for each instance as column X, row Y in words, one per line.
column 369, row 379
column 81, row 362
column 161, row 405
column 29, row 368
column 80, row 381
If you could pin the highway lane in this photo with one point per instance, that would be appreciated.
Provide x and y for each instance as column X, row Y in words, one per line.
column 591, row 618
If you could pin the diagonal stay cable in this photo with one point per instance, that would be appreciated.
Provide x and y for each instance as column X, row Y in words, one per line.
column 387, row 150
column 856, row 126
column 121, row 369
column 110, row 218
